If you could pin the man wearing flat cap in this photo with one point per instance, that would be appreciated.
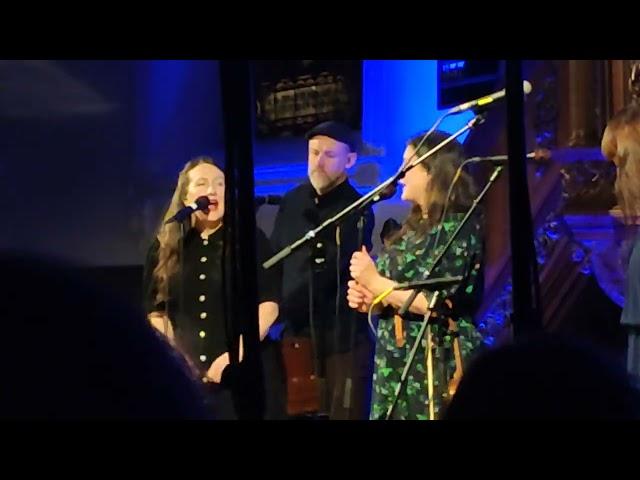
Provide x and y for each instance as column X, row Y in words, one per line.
column 320, row 332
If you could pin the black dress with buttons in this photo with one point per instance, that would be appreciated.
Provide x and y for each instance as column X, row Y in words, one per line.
column 198, row 320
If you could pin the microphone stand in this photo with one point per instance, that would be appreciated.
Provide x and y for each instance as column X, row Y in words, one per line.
column 371, row 197
column 425, row 323
column 347, row 400
column 434, row 283
column 365, row 200
column 183, row 232
column 314, row 340
column 317, row 257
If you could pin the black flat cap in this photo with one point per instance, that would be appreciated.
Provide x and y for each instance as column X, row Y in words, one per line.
column 336, row 130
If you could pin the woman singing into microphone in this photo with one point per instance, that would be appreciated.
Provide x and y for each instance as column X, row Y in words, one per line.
column 184, row 297
column 407, row 256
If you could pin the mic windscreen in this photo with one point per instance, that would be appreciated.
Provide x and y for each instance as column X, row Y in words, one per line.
column 203, row 202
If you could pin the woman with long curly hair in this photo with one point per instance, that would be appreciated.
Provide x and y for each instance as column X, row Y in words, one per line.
column 185, row 296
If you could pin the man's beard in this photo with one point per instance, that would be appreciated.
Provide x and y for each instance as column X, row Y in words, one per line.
column 322, row 183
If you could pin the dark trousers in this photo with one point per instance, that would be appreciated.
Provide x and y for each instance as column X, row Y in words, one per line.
column 220, row 398
column 633, row 351
column 347, row 381
column 349, row 377
column 275, row 382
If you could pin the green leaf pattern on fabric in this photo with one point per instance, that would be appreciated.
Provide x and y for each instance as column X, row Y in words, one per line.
column 410, row 259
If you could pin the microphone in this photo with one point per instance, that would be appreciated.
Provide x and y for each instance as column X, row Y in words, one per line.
column 433, row 283
column 539, row 154
column 480, row 102
column 268, row 200
column 386, row 193
column 201, row 203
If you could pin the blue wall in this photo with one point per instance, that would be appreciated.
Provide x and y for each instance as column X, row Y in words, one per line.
column 106, row 140
column 399, row 100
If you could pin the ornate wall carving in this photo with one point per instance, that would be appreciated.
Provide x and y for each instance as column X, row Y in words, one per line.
column 545, row 97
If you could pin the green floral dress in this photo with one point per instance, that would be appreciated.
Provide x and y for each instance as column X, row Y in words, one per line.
column 408, row 260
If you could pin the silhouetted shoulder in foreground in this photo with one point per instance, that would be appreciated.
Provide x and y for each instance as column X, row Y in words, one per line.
column 71, row 351
column 545, row 377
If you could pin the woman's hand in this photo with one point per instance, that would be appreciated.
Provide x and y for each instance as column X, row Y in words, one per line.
column 360, row 298
column 363, row 269
column 219, row 364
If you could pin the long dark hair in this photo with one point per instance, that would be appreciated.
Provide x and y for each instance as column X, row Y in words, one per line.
column 442, row 166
